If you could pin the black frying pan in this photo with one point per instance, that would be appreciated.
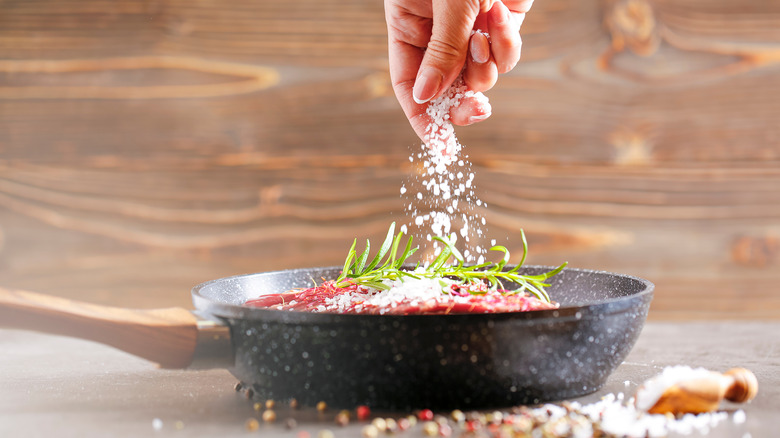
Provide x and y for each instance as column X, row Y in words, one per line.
column 384, row 361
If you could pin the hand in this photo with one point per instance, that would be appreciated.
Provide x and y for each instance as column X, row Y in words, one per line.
column 444, row 28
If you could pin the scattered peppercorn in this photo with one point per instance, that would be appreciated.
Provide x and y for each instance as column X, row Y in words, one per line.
column 290, row 423
column 425, row 415
column 363, row 412
column 257, row 407
column 304, row 434
column 458, row 415
column 249, row 393
column 322, row 406
column 445, row 430
column 369, row 431
column 270, row 404
column 342, row 418
column 239, row 386
column 430, row 428
column 269, row 416
column 294, row 404
column 325, row 433
column 252, row 424
column 403, row 424
column 380, row 424
column 391, row 426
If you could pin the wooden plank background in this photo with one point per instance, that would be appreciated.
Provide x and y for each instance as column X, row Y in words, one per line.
column 146, row 146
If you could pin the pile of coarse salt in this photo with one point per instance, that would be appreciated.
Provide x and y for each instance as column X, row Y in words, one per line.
column 410, row 291
column 651, row 390
column 616, row 418
column 445, row 197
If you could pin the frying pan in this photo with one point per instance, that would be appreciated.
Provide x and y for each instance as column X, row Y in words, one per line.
column 397, row 362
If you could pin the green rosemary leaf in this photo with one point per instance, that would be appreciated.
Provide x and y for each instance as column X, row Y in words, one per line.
column 500, row 265
column 361, row 261
column 393, row 251
column 382, row 249
column 376, row 285
column 546, row 275
column 408, row 274
column 450, row 244
column 443, row 256
column 407, row 252
column 525, row 248
column 348, row 262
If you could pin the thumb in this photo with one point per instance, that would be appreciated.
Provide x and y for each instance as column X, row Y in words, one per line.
column 445, row 56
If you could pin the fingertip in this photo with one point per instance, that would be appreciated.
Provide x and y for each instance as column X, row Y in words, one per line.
column 499, row 14
column 476, row 119
column 471, row 110
column 426, row 85
column 480, row 77
column 479, row 48
column 505, row 38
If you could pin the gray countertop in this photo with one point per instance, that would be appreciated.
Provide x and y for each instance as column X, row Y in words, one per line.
column 54, row 386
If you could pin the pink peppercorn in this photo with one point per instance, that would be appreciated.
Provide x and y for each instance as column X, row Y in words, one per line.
column 363, row 412
column 425, row 415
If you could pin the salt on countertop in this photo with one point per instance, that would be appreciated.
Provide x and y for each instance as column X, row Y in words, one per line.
column 613, row 417
column 651, row 390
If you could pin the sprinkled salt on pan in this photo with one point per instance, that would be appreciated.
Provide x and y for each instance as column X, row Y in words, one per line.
column 409, row 291
column 650, row 391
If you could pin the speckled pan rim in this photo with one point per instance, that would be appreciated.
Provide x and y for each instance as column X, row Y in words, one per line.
column 598, row 309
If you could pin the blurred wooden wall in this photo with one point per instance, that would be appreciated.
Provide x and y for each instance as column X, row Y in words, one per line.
column 146, row 146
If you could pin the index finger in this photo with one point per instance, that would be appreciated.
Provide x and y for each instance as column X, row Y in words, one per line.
column 405, row 60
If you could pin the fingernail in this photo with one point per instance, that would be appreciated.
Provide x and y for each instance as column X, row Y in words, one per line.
column 427, row 85
column 474, row 119
column 479, row 48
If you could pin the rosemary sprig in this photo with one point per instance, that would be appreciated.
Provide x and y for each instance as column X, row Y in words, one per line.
column 356, row 271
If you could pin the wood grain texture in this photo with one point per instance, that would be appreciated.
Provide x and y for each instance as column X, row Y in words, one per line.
column 146, row 146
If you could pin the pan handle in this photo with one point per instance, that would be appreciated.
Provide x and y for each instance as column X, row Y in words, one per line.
column 168, row 337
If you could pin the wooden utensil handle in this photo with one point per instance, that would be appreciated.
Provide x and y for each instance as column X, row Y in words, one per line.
column 165, row 336
column 743, row 386
column 704, row 394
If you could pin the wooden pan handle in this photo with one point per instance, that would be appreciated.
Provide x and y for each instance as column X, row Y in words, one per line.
column 165, row 336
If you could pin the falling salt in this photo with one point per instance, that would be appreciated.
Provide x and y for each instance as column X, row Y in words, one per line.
column 446, row 198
